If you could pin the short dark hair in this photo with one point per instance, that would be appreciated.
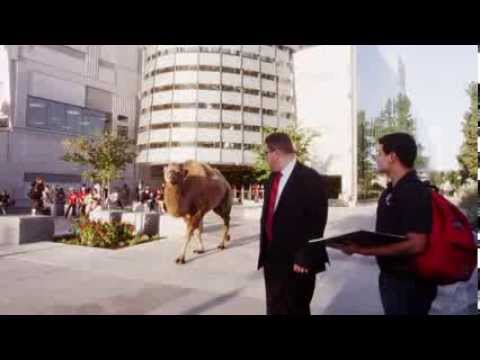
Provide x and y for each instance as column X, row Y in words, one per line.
column 403, row 145
column 280, row 141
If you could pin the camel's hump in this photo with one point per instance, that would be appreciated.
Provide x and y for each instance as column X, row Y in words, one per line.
column 196, row 168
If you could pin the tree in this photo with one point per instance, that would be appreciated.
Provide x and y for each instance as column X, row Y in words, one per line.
column 454, row 178
column 468, row 156
column 396, row 116
column 301, row 139
column 105, row 158
column 403, row 117
column 366, row 172
column 438, row 178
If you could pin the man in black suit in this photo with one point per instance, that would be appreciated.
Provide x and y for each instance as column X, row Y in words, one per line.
column 295, row 210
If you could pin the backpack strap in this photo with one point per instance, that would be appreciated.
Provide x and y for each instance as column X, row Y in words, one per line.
column 429, row 185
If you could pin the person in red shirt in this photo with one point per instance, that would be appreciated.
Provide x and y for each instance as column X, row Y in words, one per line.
column 81, row 200
column 72, row 203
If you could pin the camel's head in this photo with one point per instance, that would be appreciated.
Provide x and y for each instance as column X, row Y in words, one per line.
column 174, row 174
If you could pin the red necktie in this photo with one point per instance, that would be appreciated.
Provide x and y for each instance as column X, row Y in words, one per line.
column 271, row 205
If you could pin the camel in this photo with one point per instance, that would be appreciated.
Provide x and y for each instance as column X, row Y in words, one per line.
column 192, row 190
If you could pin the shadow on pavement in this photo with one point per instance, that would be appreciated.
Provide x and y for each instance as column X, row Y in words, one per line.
column 211, row 303
column 141, row 302
column 234, row 243
column 216, row 227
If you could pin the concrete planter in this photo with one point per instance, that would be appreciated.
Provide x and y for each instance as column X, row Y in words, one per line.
column 24, row 229
column 145, row 223
column 172, row 226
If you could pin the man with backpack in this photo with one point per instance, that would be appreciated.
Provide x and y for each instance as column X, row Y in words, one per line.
column 411, row 270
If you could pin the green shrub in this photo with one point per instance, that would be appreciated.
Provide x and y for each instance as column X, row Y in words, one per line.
column 113, row 235
column 104, row 235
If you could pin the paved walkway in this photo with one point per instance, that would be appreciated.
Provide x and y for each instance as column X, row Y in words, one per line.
column 51, row 278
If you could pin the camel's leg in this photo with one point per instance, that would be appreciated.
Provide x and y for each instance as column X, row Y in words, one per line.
column 226, row 226
column 181, row 257
column 192, row 225
column 201, row 247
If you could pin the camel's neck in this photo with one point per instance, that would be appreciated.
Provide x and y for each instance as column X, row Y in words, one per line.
column 173, row 200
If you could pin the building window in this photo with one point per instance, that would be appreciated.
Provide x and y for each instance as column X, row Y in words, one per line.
column 84, row 124
column 156, row 127
column 231, row 146
column 209, row 145
column 269, row 112
column 249, row 147
column 216, row 87
column 200, row 144
column 37, row 113
column 176, row 144
column 211, row 68
column 217, row 50
column 95, row 120
column 56, row 116
column 227, row 126
column 122, row 131
column 230, row 107
column 252, row 128
column 72, row 120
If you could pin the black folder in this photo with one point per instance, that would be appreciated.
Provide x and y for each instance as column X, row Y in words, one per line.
column 361, row 238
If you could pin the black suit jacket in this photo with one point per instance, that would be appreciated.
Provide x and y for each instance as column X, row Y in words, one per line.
column 301, row 216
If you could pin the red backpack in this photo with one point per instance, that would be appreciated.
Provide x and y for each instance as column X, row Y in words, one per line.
column 451, row 255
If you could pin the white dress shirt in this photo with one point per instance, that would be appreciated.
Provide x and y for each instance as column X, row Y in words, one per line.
column 286, row 172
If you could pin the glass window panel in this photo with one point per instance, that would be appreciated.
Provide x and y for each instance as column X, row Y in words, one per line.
column 93, row 123
column 37, row 113
column 122, row 131
column 73, row 119
column 56, row 116
column 67, row 118
column 84, row 126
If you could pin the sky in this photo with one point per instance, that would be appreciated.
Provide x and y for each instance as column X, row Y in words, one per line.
column 437, row 78
column 436, row 81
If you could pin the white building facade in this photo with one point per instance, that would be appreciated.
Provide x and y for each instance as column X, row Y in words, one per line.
column 60, row 91
column 333, row 84
column 211, row 102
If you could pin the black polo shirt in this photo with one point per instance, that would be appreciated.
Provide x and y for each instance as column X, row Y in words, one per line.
column 404, row 208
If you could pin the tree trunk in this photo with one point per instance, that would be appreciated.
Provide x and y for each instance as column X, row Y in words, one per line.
column 108, row 194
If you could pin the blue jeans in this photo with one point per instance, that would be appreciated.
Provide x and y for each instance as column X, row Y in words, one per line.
column 405, row 295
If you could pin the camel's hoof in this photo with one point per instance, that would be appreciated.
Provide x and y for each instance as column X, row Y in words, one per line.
column 198, row 251
column 221, row 247
column 180, row 261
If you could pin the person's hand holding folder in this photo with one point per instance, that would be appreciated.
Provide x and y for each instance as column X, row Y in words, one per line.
column 352, row 248
column 360, row 242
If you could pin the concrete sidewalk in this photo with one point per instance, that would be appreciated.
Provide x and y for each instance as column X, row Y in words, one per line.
column 52, row 278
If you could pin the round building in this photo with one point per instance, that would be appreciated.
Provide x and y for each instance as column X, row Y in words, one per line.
column 211, row 102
